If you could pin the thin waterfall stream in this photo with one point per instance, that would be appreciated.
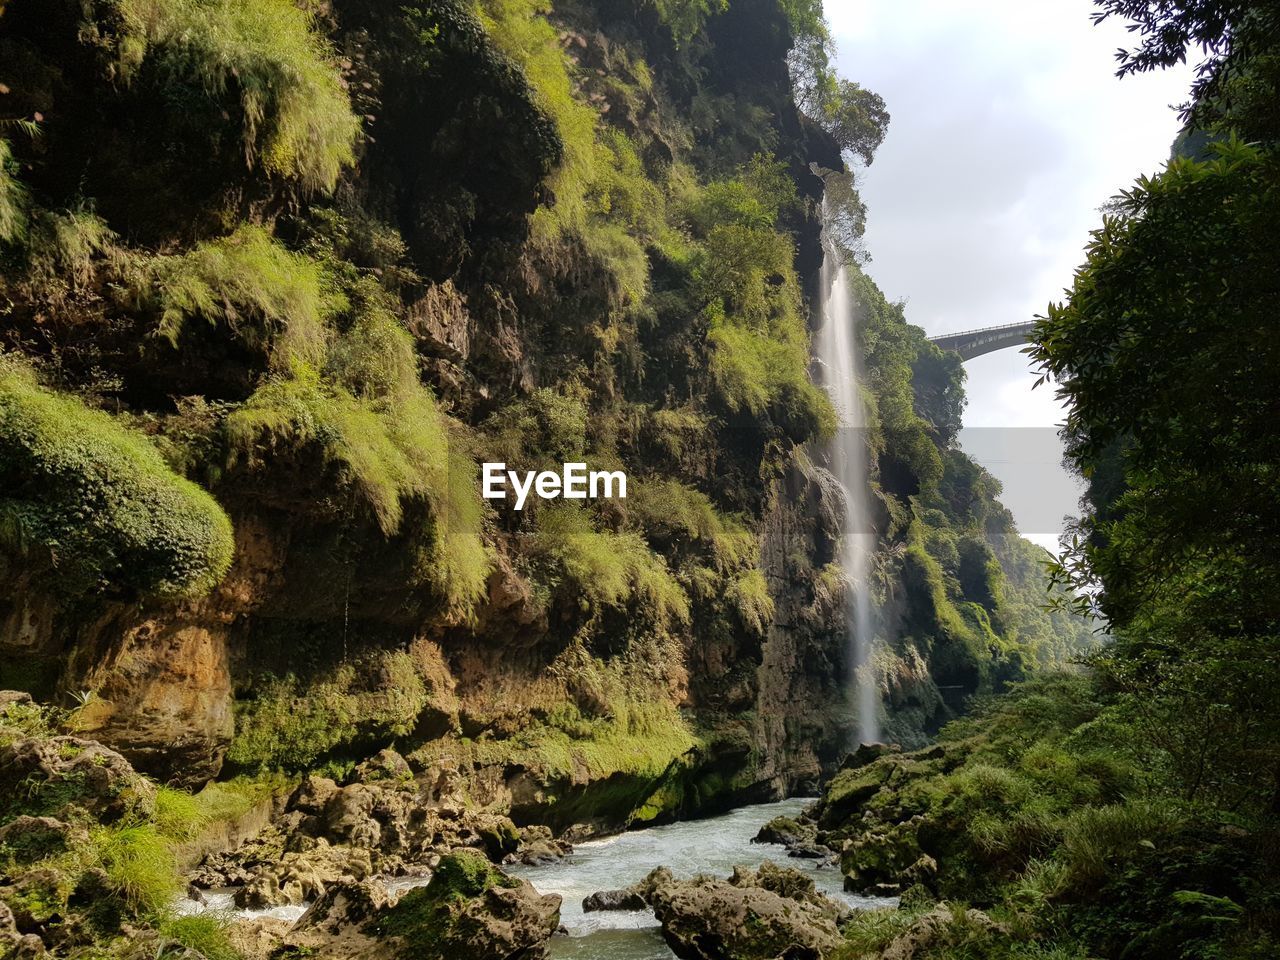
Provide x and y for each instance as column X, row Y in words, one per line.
column 839, row 362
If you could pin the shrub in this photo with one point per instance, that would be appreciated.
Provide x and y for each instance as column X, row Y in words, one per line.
column 606, row 569
column 685, row 18
column 671, row 513
column 272, row 300
column 749, row 593
column 297, row 119
column 1096, row 840
column 13, row 198
column 204, row 933
column 100, row 500
column 139, row 864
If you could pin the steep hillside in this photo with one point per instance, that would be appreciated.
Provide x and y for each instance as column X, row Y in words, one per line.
column 276, row 278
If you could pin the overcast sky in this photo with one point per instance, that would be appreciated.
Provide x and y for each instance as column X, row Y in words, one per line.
column 1009, row 129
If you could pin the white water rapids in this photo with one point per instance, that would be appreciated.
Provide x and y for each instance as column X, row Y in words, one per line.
column 713, row 846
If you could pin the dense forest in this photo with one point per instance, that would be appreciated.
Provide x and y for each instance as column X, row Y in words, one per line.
column 277, row 277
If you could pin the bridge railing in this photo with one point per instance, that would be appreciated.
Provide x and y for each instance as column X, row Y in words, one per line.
column 1027, row 325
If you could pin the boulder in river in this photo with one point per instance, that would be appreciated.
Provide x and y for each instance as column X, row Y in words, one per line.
column 628, row 898
column 770, row 914
column 469, row 909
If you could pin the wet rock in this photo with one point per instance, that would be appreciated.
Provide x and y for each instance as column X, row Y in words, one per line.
column 745, row 918
column 785, row 831
column 538, row 847
column 628, row 898
column 50, row 775
column 469, row 909
column 800, row 837
column 346, row 904
column 790, row 883
column 867, row 753
column 302, row 876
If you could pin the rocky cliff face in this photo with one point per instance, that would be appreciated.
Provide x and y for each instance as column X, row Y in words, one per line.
column 274, row 287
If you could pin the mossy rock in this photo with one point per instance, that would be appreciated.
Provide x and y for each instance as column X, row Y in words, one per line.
column 470, row 909
column 98, row 496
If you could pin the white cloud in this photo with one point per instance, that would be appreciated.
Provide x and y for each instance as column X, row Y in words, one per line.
column 1009, row 130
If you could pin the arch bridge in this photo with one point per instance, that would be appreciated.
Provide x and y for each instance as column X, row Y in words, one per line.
column 974, row 343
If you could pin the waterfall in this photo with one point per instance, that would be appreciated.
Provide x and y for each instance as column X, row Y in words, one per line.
column 839, row 363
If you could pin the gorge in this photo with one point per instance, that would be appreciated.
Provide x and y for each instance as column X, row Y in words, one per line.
column 283, row 283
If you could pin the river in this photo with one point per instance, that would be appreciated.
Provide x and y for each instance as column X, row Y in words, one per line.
column 714, row 846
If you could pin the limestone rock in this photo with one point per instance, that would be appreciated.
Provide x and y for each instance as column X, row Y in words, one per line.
column 56, row 773
column 257, row 939
column 469, row 909
column 33, row 838
column 539, row 847
column 628, row 898
column 744, row 919
column 303, row 875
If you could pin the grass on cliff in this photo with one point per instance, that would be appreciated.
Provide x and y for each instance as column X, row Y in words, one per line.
column 14, row 198
column 293, row 725
column 97, row 500
column 294, row 112
column 370, row 417
column 274, row 301
column 603, row 568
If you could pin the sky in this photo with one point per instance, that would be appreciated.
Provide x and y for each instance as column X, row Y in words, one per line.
column 1009, row 130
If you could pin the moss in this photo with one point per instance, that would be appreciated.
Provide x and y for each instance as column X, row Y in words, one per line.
column 428, row 920
column 272, row 300
column 101, row 500
column 295, row 115
column 293, row 725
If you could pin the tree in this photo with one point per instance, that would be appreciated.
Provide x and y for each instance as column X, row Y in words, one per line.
column 1237, row 81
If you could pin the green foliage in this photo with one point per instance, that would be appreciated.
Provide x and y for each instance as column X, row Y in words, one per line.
column 274, row 301
column 1043, row 808
column 295, row 115
column 1154, row 352
column 745, row 278
column 545, row 425
column 685, row 18
column 179, row 815
column 205, row 933
column 139, row 864
column 13, row 198
column 604, row 569
column 671, row 513
column 98, row 502
column 293, row 725
column 521, row 30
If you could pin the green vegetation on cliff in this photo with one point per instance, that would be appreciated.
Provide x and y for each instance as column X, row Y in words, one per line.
column 316, row 262
column 92, row 500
